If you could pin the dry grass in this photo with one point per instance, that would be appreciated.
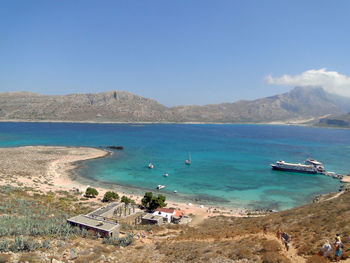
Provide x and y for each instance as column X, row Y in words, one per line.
column 217, row 239
column 4, row 258
column 309, row 227
column 251, row 248
column 30, row 257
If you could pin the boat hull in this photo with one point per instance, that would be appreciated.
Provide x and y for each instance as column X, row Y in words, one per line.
column 292, row 170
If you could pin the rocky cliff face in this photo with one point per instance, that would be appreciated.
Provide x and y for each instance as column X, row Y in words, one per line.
column 107, row 106
column 120, row 106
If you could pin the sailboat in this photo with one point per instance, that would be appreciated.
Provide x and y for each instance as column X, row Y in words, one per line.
column 188, row 161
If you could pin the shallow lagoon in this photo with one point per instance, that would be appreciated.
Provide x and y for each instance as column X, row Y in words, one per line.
column 230, row 163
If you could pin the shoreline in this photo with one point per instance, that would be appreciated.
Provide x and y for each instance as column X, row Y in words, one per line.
column 300, row 123
column 290, row 122
column 53, row 168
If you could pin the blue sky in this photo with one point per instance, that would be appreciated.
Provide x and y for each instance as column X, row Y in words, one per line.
column 177, row 52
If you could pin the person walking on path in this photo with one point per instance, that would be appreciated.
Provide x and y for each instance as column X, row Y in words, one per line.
column 265, row 230
column 278, row 234
column 338, row 248
column 326, row 249
column 286, row 240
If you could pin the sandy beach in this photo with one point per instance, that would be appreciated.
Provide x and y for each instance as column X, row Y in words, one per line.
column 50, row 168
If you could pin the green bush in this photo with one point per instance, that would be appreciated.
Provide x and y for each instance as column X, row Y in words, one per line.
column 110, row 196
column 120, row 242
column 127, row 200
column 91, row 192
column 152, row 202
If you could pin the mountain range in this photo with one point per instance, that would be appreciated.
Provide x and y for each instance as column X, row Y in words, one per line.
column 302, row 104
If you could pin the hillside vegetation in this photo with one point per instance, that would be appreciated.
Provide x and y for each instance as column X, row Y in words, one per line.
column 35, row 230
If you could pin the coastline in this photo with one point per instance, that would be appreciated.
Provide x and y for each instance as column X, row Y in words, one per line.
column 53, row 168
column 302, row 123
column 290, row 122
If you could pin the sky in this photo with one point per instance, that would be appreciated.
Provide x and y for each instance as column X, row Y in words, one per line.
column 177, row 52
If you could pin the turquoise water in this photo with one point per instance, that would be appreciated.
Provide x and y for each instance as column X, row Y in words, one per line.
column 230, row 163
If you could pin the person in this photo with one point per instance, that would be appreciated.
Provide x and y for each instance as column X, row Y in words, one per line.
column 326, row 249
column 286, row 240
column 265, row 230
column 338, row 248
column 278, row 234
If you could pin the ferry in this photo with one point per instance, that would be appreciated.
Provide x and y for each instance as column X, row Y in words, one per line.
column 310, row 166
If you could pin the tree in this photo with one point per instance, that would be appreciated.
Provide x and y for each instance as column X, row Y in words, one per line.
column 127, row 200
column 146, row 200
column 110, row 196
column 91, row 192
column 152, row 202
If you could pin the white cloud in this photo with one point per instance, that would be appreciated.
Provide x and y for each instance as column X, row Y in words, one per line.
column 331, row 81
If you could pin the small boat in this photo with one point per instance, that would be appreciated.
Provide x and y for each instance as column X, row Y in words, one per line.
column 175, row 191
column 160, row 186
column 150, row 166
column 188, row 161
column 166, row 174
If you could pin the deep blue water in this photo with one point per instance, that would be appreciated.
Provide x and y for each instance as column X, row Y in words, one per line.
column 230, row 163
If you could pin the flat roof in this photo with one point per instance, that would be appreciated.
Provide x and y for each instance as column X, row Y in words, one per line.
column 94, row 223
column 151, row 216
column 100, row 211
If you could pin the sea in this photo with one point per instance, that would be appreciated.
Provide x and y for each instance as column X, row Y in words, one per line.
column 230, row 163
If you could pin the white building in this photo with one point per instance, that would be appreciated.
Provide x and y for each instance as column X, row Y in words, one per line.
column 166, row 213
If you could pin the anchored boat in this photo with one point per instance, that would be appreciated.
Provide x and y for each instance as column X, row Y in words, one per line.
column 310, row 166
column 188, row 161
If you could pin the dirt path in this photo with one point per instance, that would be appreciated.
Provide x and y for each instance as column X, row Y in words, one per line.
column 335, row 196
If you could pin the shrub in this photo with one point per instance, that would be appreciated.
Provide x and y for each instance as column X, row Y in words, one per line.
column 127, row 200
column 126, row 241
column 152, row 202
column 110, row 241
column 122, row 242
column 91, row 192
column 110, row 196
column 4, row 245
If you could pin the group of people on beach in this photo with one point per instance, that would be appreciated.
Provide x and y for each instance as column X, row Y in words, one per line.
column 326, row 249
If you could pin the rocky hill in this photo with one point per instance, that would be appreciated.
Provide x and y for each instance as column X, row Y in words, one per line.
column 119, row 106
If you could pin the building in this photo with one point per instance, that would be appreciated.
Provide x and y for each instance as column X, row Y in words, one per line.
column 101, row 220
column 166, row 213
column 177, row 217
column 150, row 219
column 103, row 227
